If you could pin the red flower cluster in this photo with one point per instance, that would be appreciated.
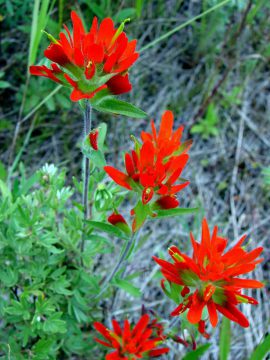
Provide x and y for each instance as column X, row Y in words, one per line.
column 155, row 165
column 132, row 343
column 210, row 278
column 90, row 61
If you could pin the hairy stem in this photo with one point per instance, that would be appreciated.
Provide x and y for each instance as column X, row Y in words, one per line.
column 86, row 168
column 122, row 258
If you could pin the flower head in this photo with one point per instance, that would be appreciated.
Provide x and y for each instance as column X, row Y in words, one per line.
column 132, row 343
column 211, row 278
column 166, row 142
column 90, row 61
column 155, row 165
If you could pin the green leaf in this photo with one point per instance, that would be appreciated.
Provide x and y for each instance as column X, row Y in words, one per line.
column 176, row 292
column 108, row 228
column 211, row 115
column 54, row 324
column 4, row 84
column 175, row 212
column 139, row 6
column 225, row 339
column 27, row 184
column 95, row 156
column 42, row 348
column 196, row 129
column 60, row 286
column 9, row 276
column 262, row 349
column 4, row 190
column 3, row 172
column 196, row 354
column 128, row 287
column 141, row 212
column 102, row 131
column 112, row 105
column 18, row 309
column 97, row 10
column 124, row 14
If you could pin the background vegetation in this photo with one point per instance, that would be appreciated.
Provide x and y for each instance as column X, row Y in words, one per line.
column 214, row 74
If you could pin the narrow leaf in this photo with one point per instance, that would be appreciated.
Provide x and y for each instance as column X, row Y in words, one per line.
column 175, row 212
column 108, row 228
column 112, row 105
column 128, row 287
column 262, row 349
column 196, row 354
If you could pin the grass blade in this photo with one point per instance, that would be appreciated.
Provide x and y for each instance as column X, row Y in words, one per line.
column 261, row 350
column 181, row 26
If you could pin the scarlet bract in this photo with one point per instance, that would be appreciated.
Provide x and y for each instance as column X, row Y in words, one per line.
column 90, row 61
column 210, row 278
column 132, row 343
column 155, row 165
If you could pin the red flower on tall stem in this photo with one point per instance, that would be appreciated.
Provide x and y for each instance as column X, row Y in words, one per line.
column 131, row 343
column 210, row 278
column 90, row 61
column 155, row 165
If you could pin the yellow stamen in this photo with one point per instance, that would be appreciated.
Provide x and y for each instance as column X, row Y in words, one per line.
column 89, row 64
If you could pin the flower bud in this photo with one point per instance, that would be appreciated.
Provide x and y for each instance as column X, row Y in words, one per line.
column 119, row 221
column 103, row 198
column 93, row 139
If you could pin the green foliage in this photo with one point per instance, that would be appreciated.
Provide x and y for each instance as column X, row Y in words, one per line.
column 110, row 104
column 41, row 13
column 3, row 84
column 233, row 98
column 46, row 300
column 266, row 177
column 107, row 228
column 262, row 350
column 127, row 287
column 44, row 288
column 208, row 126
column 175, row 212
column 196, row 354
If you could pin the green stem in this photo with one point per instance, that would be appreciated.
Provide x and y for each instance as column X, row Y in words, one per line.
column 86, row 169
column 128, row 245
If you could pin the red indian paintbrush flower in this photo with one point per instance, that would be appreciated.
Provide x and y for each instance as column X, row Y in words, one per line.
column 155, row 165
column 210, row 278
column 131, row 343
column 167, row 142
column 90, row 61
